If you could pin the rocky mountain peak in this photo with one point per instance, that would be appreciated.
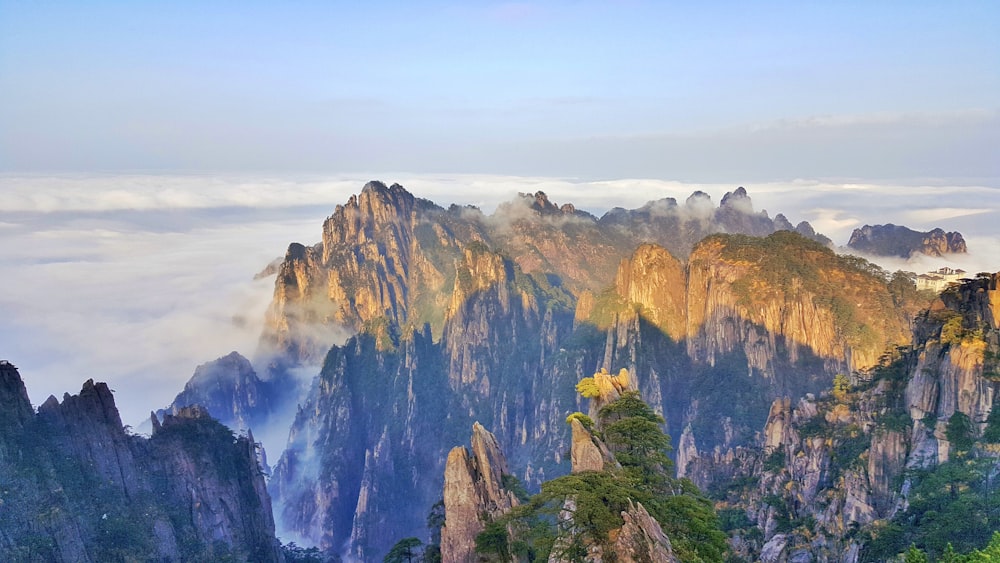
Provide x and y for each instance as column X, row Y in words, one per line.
column 699, row 196
column 737, row 197
column 95, row 403
column 296, row 251
column 543, row 205
column 189, row 493
column 375, row 195
column 641, row 538
column 378, row 211
column 610, row 388
column 231, row 366
column 375, row 186
column 489, row 458
column 781, row 223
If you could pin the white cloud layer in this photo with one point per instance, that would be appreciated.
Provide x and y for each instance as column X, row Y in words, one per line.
column 137, row 279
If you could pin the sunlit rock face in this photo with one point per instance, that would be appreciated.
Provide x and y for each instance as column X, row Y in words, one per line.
column 388, row 254
column 897, row 240
column 78, row 487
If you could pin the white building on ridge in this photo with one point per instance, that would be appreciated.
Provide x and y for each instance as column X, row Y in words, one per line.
column 939, row 279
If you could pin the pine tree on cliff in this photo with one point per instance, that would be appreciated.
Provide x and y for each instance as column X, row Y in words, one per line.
column 405, row 551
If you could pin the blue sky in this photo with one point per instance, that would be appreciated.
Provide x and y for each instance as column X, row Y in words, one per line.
column 692, row 91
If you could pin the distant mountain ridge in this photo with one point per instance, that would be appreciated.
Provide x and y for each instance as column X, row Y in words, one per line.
column 897, row 240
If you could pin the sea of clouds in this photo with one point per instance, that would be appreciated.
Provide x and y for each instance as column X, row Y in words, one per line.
column 137, row 279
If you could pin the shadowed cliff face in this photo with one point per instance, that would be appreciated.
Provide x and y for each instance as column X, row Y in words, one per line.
column 365, row 453
column 230, row 389
column 78, row 487
column 464, row 317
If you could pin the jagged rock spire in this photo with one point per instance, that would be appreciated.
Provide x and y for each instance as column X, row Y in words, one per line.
column 474, row 495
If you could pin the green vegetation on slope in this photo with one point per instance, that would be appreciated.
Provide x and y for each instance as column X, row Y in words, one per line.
column 632, row 431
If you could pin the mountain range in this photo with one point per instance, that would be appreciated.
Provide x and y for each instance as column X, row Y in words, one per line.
column 809, row 393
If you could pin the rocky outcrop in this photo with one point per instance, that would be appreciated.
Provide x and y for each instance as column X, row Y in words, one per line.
column 641, row 539
column 587, row 452
column 897, row 240
column 474, row 495
column 609, row 388
column 955, row 363
column 80, row 488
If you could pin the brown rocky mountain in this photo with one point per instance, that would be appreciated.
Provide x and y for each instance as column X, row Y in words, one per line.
column 462, row 316
column 897, row 240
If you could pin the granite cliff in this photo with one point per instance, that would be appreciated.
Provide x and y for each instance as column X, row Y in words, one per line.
column 474, row 495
